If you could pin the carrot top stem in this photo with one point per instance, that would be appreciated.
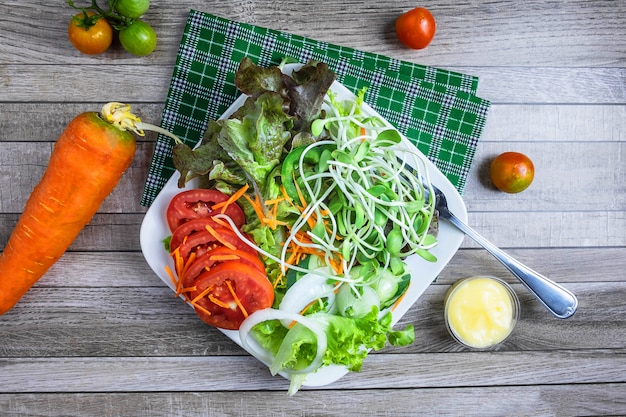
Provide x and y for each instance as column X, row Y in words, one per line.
column 120, row 116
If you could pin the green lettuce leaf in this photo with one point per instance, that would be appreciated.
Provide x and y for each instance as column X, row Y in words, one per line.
column 348, row 340
column 312, row 82
column 248, row 145
column 256, row 140
column 207, row 159
column 254, row 80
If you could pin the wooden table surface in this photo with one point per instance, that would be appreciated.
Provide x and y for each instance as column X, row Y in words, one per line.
column 101, row 335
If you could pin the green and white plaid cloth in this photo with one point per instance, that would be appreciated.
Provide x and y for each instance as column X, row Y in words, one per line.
column 434, row 108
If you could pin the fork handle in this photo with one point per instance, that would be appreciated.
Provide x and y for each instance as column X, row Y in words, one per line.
column 558, row 300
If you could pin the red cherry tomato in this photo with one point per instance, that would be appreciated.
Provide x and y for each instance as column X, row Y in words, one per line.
column 229, row 292
column 90, row 35
column 198, row 203
column 416, row 28
column 512, row 172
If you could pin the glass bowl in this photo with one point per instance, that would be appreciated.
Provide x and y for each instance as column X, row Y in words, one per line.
column 481, row 311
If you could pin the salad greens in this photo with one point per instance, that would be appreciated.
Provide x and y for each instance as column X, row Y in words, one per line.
column 333, row 207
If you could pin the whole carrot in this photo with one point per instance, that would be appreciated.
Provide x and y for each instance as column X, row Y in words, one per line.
column 86, row 164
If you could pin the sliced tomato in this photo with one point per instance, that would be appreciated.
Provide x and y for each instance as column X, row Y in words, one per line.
column 203, row 241
column 217, row 256
column 229, row 292
column 198, row 203
column 193, row 226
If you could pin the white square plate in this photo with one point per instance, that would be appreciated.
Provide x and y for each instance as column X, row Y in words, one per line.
column 154, row 229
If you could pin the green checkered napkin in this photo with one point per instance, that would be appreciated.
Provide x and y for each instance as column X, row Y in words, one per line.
column 436, row 109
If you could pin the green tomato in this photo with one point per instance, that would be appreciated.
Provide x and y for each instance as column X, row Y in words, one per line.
column 138, row 38
column 132, row 9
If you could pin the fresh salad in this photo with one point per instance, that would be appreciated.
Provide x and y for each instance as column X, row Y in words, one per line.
column 297, row 235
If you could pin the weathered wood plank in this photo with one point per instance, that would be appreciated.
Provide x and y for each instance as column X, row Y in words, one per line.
column 569, row 176
column 560, row 264
column 498, row 84
column 35, row 122
column 537, row 400
column 85, row 83
column 567, row 183
column 30, row 375
column 555, row 123
column 129, row 269
column 536, row 33
column 44, row 122
column 550, row 229
column 108, row 232
column 148, row 321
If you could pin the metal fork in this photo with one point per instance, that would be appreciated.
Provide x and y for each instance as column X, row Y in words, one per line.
column 558, row 300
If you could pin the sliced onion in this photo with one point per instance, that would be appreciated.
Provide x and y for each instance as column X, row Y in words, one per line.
column 308, row 288
column 266, row 314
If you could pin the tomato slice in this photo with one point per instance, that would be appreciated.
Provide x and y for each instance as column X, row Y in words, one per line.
column 203, row 241
column 193, row 226
column 198, row 203
column 229, row 292
column 219, row 255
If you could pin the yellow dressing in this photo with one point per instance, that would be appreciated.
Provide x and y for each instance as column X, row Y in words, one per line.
column 480, row 312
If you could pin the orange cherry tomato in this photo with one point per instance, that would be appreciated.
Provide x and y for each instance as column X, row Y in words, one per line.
column 512, row 172
column 416, row 28
column 90, row 36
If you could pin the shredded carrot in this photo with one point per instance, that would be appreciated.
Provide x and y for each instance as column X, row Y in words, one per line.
column 311, row 220
column 220, row 238
column 224, row 204
column 269, row 219
column 207, row 292
column 274, row 201
column 202, row 294
column 336, row 264
column 278, row 280
column 178, row 260
column 224, row 258
column 283, row 191
column 256, row 205
column 171, row 275
column 232, row 292
column 190, row 260
column 202, row 309
column 395, row 305
column 218, row 302
column 181, row 267
column 222, row 222
column 272, row 220
column 297, row 252
column 300, row 195
column 306, row 307
column 185, row 290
